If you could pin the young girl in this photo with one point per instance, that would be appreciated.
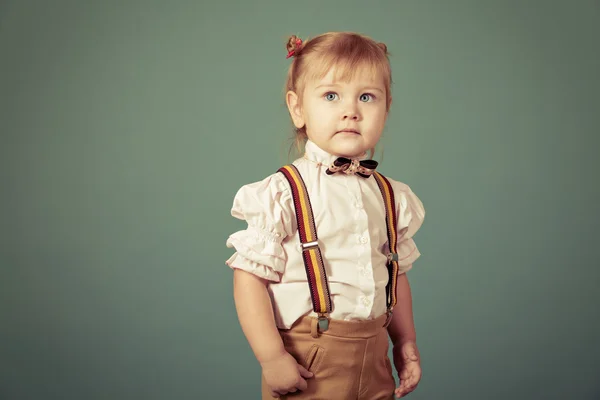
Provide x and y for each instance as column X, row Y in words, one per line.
column 323, row 261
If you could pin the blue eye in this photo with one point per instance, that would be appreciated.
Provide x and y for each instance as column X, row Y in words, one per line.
column 366, row 96
column 330, row 96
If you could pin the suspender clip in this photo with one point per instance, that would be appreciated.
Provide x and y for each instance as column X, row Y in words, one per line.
column 323, row 322
column 319, row 325
column 388, row 318
column 309, row 245
column 392, row 257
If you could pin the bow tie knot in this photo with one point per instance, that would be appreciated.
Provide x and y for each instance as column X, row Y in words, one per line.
column 364, row 168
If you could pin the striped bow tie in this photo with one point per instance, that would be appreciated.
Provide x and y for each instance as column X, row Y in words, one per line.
column 364, row 168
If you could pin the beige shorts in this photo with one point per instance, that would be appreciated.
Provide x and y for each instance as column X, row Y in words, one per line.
column 349, row 360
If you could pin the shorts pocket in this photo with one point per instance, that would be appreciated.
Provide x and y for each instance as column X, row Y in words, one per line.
column 302, row 347
column 313, row 358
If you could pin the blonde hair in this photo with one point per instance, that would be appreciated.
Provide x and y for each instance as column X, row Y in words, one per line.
column 347, row 51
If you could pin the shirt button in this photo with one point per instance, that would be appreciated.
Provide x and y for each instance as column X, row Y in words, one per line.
column 358, row 204
column 366, row 302
column 362, row 239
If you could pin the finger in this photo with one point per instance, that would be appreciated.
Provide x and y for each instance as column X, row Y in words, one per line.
column 413, row 387
column 304, row 372
column 399, row 393
column 409, row 382
column 403, row 391
column 402, row 388
column 274, row 394
column 408, row 387
column 302, row 384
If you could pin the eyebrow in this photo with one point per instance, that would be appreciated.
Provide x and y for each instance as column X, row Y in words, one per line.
column 372, row 88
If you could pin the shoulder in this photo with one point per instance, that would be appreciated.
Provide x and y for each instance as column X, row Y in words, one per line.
column 406, row 200
column 271, row 184
column 399, row 188
column 271, row 188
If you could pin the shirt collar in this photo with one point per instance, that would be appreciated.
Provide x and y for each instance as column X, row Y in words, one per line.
column 314, row 153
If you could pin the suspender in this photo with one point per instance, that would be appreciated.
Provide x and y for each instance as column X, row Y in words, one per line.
column 313, row 261
column 390, row 220
column 311, row 253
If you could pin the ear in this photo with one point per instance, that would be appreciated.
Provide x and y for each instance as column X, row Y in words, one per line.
column 291, row 99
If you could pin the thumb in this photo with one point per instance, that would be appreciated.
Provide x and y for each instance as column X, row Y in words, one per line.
column 304, row 372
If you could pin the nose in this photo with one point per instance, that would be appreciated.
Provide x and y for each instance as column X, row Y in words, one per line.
column 351, row 112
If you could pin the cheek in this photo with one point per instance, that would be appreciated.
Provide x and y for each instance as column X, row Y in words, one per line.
column 381, row 115
column 377, row 115
column 321, row 114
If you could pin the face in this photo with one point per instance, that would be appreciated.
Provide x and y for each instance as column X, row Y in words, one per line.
column 343, row 118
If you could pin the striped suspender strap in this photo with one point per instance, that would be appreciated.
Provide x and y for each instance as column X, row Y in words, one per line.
column 313, row 261
column 390, row 218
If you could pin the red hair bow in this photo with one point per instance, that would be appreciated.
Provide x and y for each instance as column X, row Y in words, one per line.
column 298, row 44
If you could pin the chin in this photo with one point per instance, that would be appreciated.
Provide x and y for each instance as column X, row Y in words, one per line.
column 350, row 150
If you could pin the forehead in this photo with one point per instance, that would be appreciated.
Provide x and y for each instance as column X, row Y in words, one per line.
column 360, row 75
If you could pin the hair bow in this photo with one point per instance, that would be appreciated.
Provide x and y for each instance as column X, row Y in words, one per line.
column 298, row 44
column 364, row 168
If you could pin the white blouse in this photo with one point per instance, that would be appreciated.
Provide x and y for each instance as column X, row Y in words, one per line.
column 350, row 219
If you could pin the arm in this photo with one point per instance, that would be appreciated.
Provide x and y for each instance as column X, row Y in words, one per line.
column 281, row 371
column 402, row 326
column 402, row 332
column 255, row 312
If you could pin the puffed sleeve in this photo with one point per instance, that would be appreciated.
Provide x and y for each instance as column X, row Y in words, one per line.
column 267, row 206
column 410, row 214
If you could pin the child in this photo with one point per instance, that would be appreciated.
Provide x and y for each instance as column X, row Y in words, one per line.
column 329, row 239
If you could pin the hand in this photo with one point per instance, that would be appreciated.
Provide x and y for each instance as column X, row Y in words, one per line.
column 284, row 375
column 408, row 364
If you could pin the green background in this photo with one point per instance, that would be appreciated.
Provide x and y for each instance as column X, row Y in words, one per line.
column 127, row 127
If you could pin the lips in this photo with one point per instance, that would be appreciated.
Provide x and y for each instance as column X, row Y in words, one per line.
column 349, row 131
